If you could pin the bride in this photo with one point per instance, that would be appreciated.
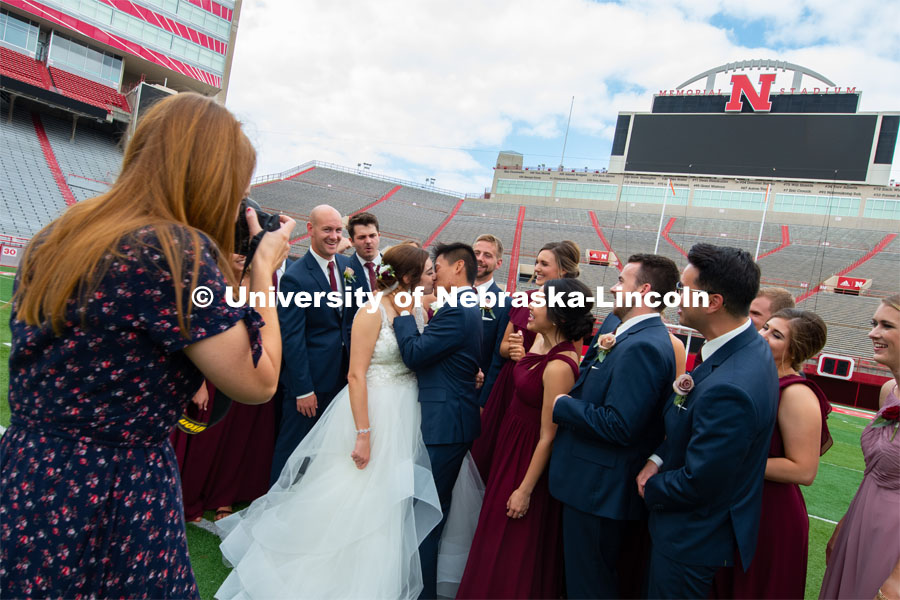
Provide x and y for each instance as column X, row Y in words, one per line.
column 356, row 497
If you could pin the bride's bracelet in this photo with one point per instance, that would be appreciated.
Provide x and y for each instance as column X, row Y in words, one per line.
column 361, row 431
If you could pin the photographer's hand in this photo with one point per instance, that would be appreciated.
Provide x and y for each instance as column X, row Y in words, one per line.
column 274, row 246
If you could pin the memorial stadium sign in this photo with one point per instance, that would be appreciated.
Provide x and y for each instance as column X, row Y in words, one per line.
column 744, row 85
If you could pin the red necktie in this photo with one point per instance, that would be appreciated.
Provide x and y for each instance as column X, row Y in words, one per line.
column 331, row 276
column 370, row 267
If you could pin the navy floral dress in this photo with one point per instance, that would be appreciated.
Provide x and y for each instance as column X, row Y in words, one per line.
column 90, row 497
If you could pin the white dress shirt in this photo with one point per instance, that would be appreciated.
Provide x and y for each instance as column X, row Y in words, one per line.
column 338, row 277
column 338, row 274
column 714, row 344
column 482, row 288
column 631, row 322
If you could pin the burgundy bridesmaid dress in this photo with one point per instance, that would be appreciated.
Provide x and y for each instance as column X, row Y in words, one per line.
column 778, row 569
column 519, row 558
column 229, row 462
column 501, row 395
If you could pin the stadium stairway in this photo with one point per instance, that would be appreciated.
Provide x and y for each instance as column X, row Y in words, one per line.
column 785, row 242
column 387, row 196
column 52, row 163
column 29, row 193
column 665, row 236
column 513, row 277
column 603, row 240
column 871, row 253
column 443, row 224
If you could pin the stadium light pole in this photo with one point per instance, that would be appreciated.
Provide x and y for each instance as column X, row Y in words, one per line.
column 562, row 159
column 762, row 223
column 662, row 214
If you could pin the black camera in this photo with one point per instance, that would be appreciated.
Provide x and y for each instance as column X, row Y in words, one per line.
column 267, row 221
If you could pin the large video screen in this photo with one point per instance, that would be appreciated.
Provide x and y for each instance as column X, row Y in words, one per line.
column 807, row 146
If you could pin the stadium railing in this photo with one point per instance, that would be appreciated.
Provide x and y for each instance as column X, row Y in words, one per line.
column 360, row 172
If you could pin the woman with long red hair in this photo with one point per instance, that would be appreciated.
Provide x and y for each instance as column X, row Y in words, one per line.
column 111, row 335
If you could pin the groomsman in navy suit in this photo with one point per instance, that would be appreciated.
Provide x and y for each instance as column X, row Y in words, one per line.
column 608, row 326
column 608, row 423
column 365, row 236
column 704, row 484
column 489, row 256
column 315, row 340
column 445, row 359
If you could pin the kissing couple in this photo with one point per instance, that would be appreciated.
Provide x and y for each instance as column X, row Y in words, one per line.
column 358, row 509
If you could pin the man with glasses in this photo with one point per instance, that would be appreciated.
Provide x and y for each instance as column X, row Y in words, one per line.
column 703, row 486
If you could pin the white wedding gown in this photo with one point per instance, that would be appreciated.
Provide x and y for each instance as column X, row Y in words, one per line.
column 329, row 530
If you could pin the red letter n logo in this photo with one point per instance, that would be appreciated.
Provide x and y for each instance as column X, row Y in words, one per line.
column 740, row 84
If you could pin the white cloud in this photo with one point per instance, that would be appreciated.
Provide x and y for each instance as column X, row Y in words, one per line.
column 408, row 86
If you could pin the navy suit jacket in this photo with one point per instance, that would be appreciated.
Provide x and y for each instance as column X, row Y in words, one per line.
column 315, row 341
column 494, row 328
column 608, row 326
column 445, row 360
column 611, row 422
column 362, row 276
column 707, row 496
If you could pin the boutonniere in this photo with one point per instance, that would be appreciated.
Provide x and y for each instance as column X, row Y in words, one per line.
column 604, row 345
column 349, row 275
column 434, row 307
column 487, row 310
column 682, row 386
column 889, row 418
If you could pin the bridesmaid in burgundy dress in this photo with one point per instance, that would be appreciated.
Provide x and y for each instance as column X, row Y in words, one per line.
column 555, row 260
column 229, row 462
column 800, row 436
column 517, row 548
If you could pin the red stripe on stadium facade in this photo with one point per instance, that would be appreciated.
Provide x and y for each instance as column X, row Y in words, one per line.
column 115, row 41
column 214, row 8
column 174, row 27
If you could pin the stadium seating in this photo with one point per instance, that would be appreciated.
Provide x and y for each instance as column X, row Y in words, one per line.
column 87, row 91
column 28, row 192
column 813, row 254
column 24, row 68
column 90, row 162
column 409, row 216
column 848, row 319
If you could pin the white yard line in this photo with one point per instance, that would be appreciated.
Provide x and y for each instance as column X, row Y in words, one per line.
column 823, row 519
column 842, row 467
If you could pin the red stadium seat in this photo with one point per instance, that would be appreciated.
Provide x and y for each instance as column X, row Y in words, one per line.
column 23, row 68
column 87, row 91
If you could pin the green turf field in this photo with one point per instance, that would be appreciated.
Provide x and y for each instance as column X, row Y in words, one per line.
column 840, row 473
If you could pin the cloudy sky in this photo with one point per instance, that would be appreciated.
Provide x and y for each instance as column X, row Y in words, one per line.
column 421, row 88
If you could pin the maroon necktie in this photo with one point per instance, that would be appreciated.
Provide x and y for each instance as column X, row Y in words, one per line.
column 370, row 267
column 331, row 276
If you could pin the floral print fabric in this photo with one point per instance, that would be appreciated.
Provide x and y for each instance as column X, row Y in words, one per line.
column 90, row 499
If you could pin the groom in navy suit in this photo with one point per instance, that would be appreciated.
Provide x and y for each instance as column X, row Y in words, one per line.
column 704, row 484
column 608, row 424
column 445, row 359
column 315, row 340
